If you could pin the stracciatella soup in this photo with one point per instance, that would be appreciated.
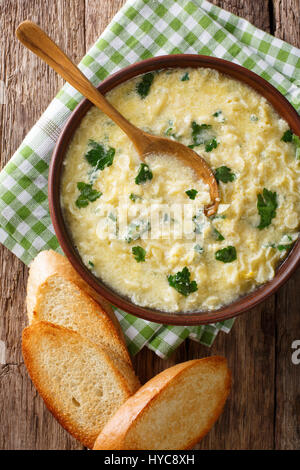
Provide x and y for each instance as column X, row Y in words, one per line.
column 142, row 228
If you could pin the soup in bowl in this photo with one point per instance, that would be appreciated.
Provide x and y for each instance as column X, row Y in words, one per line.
column 140, row 229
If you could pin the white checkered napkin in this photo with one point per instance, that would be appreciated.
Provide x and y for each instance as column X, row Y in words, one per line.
column 141, row 29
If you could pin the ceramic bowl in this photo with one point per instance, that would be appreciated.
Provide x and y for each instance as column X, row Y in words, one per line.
column 274, row 97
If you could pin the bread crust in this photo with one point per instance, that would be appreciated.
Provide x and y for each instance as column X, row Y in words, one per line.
column 30, row 346
column 113, row 435
column 110, row 335
column 48, row 263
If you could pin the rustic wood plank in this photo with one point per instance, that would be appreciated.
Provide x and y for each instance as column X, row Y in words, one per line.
column 250, row 347
column 25, row 422
column 97, row 16
column 257, row 12
column 286, row 18
column 247, row 421
column 287, row 414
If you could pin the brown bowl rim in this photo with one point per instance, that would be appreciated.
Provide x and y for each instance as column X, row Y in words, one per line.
column 244, row 303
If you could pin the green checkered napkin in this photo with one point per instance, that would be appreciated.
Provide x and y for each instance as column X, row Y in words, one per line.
column 141, row 29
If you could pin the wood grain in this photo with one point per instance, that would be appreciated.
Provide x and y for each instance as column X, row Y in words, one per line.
column 263, row 410
column 25, row 422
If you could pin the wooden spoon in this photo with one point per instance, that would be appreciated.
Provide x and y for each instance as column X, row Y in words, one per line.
column 38, row 42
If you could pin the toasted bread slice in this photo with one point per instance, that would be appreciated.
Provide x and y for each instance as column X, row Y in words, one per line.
column 49, row 262
column 174, row 410
column 75, row 377
column 63, row 303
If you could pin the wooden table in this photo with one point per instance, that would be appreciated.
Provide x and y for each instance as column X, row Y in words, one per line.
column 264, row 407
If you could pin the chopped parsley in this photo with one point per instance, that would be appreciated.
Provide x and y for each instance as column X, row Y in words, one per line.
column 253, row 118
column 217, row 113
column 182, row 283
column 286, row 243
column 219, row 116
column 224, row 174
column 139, row 253
column 289, row 136
column 112, row 217
column 226, row 255
column 266, row 206
column 134, row 197
column 144, row 174
column 212, row 144
column 91, row 264
column 88, row 194
column 191, row 193
column 143, row 87
column 98, row 156
column 199, row 222
column 217, row 235
column 198, row 249
column 202, row 134
column 284, row 247
column 169, row 133
column 185, row 77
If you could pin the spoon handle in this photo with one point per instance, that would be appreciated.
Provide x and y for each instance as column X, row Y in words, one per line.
column 35, row 39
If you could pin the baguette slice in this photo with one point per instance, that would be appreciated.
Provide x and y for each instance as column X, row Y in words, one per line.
column 172, row 411
column 75, row 377
column 49, row 262
column 61, row 302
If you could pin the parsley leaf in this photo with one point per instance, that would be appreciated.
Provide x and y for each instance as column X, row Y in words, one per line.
column 191, row 193
column 143, row 87
column 286, row 243
column 98, row 156
column 88, row 194
column 217, row 235
column 134, row 197
column 284, row 247
column 139, row 253
column 185, row 77
column 181, row 282
column 287, row 136
column 224, row 174
column 169, row 133
column 219, row 116
column 266, row 206
column 203, row 135
column 144, row 174
column 226, row 255
column 91, row 264
column 212, row 144
column 199, row 221
column 198, row 249
column 217, row 113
